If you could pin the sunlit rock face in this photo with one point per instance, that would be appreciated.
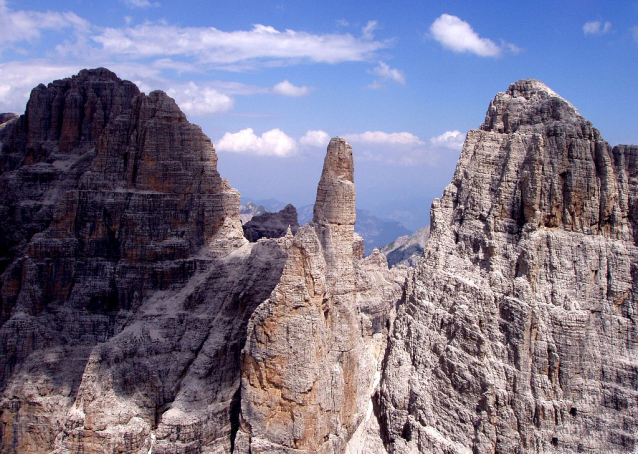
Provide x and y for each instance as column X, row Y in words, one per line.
column 136, row 317
column 312, row 358
column 518, row 329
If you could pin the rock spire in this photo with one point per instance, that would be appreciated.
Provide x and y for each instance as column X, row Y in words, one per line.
column 313, row 348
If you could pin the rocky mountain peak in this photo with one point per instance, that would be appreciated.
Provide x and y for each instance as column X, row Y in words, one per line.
column 335, row 202
column 528, row 88
column 530, row 259
column 529, row 105
column 272, row 225
column 554, row 168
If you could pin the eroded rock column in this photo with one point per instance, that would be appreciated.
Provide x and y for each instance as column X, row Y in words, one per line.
column 309, row 364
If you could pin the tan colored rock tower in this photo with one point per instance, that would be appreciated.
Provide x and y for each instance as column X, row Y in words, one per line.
column 309, row 365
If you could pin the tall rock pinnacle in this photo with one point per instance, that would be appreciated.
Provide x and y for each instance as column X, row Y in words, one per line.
column 335, row 202
column 313, row 348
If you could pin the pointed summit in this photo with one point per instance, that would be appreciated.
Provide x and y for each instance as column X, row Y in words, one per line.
column 336, row 193
column 528, row 88
column 529, row 105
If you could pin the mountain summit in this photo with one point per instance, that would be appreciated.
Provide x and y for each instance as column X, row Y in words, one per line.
column 136, row 317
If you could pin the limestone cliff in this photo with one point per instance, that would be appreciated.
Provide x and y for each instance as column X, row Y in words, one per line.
column 518, row 329
column 135, row 316
column 126, row 282
column 311, row 359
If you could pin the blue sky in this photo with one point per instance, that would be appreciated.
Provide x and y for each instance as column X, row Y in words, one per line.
column 271, row 81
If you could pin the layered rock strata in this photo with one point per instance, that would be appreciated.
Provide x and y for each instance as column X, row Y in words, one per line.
column 126, row 282
column 135, row 316
column 127, row 287
column 272, row 225
column 518, row 329
column 313, row 348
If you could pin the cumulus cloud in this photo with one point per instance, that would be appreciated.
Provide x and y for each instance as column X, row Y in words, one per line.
column 405, row 148
column 596, row 28
column 385, row 73
column 285, row 88
column 458, row 36
column 200, row 100
column 380, row 137
column 271, row 143
column 318, row 139
column 449, row 139
column 209, row 45
column 140, row 4
column 17, row 26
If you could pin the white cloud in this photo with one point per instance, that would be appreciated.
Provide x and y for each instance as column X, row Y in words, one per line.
column 634, row 31
column 343, row 23
column 318, row 139
column 380, row 137
column 200, row 100
column 140, row 4
column 17, row 26
column 367, row 32
column 458, row 36
column 287, row 89
column 385, row 73
column 596, row 28
column 449, row 139
column 216, row 47
column 405, row 148
column 271, row 143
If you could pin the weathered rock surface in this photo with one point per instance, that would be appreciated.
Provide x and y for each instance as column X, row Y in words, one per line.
column 311, row 361
column 136, row 317
column 126, row 282
column 407, row 250
column 518, row 330
column 272, row 225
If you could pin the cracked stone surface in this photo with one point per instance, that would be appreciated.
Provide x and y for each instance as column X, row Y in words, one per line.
column 136, row 317
column 518, row 330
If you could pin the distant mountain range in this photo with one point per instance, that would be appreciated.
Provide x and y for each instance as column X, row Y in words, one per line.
column 406, row 250
column 376, row 232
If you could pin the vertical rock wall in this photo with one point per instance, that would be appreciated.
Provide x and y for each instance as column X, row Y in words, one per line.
column 135, row 317
column 126, row 283
column 518, row 328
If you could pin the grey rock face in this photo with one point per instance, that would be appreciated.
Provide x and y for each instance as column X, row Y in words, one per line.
column 126, row 282
column 272, row 225
column 135, row 317
column 518, row 329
